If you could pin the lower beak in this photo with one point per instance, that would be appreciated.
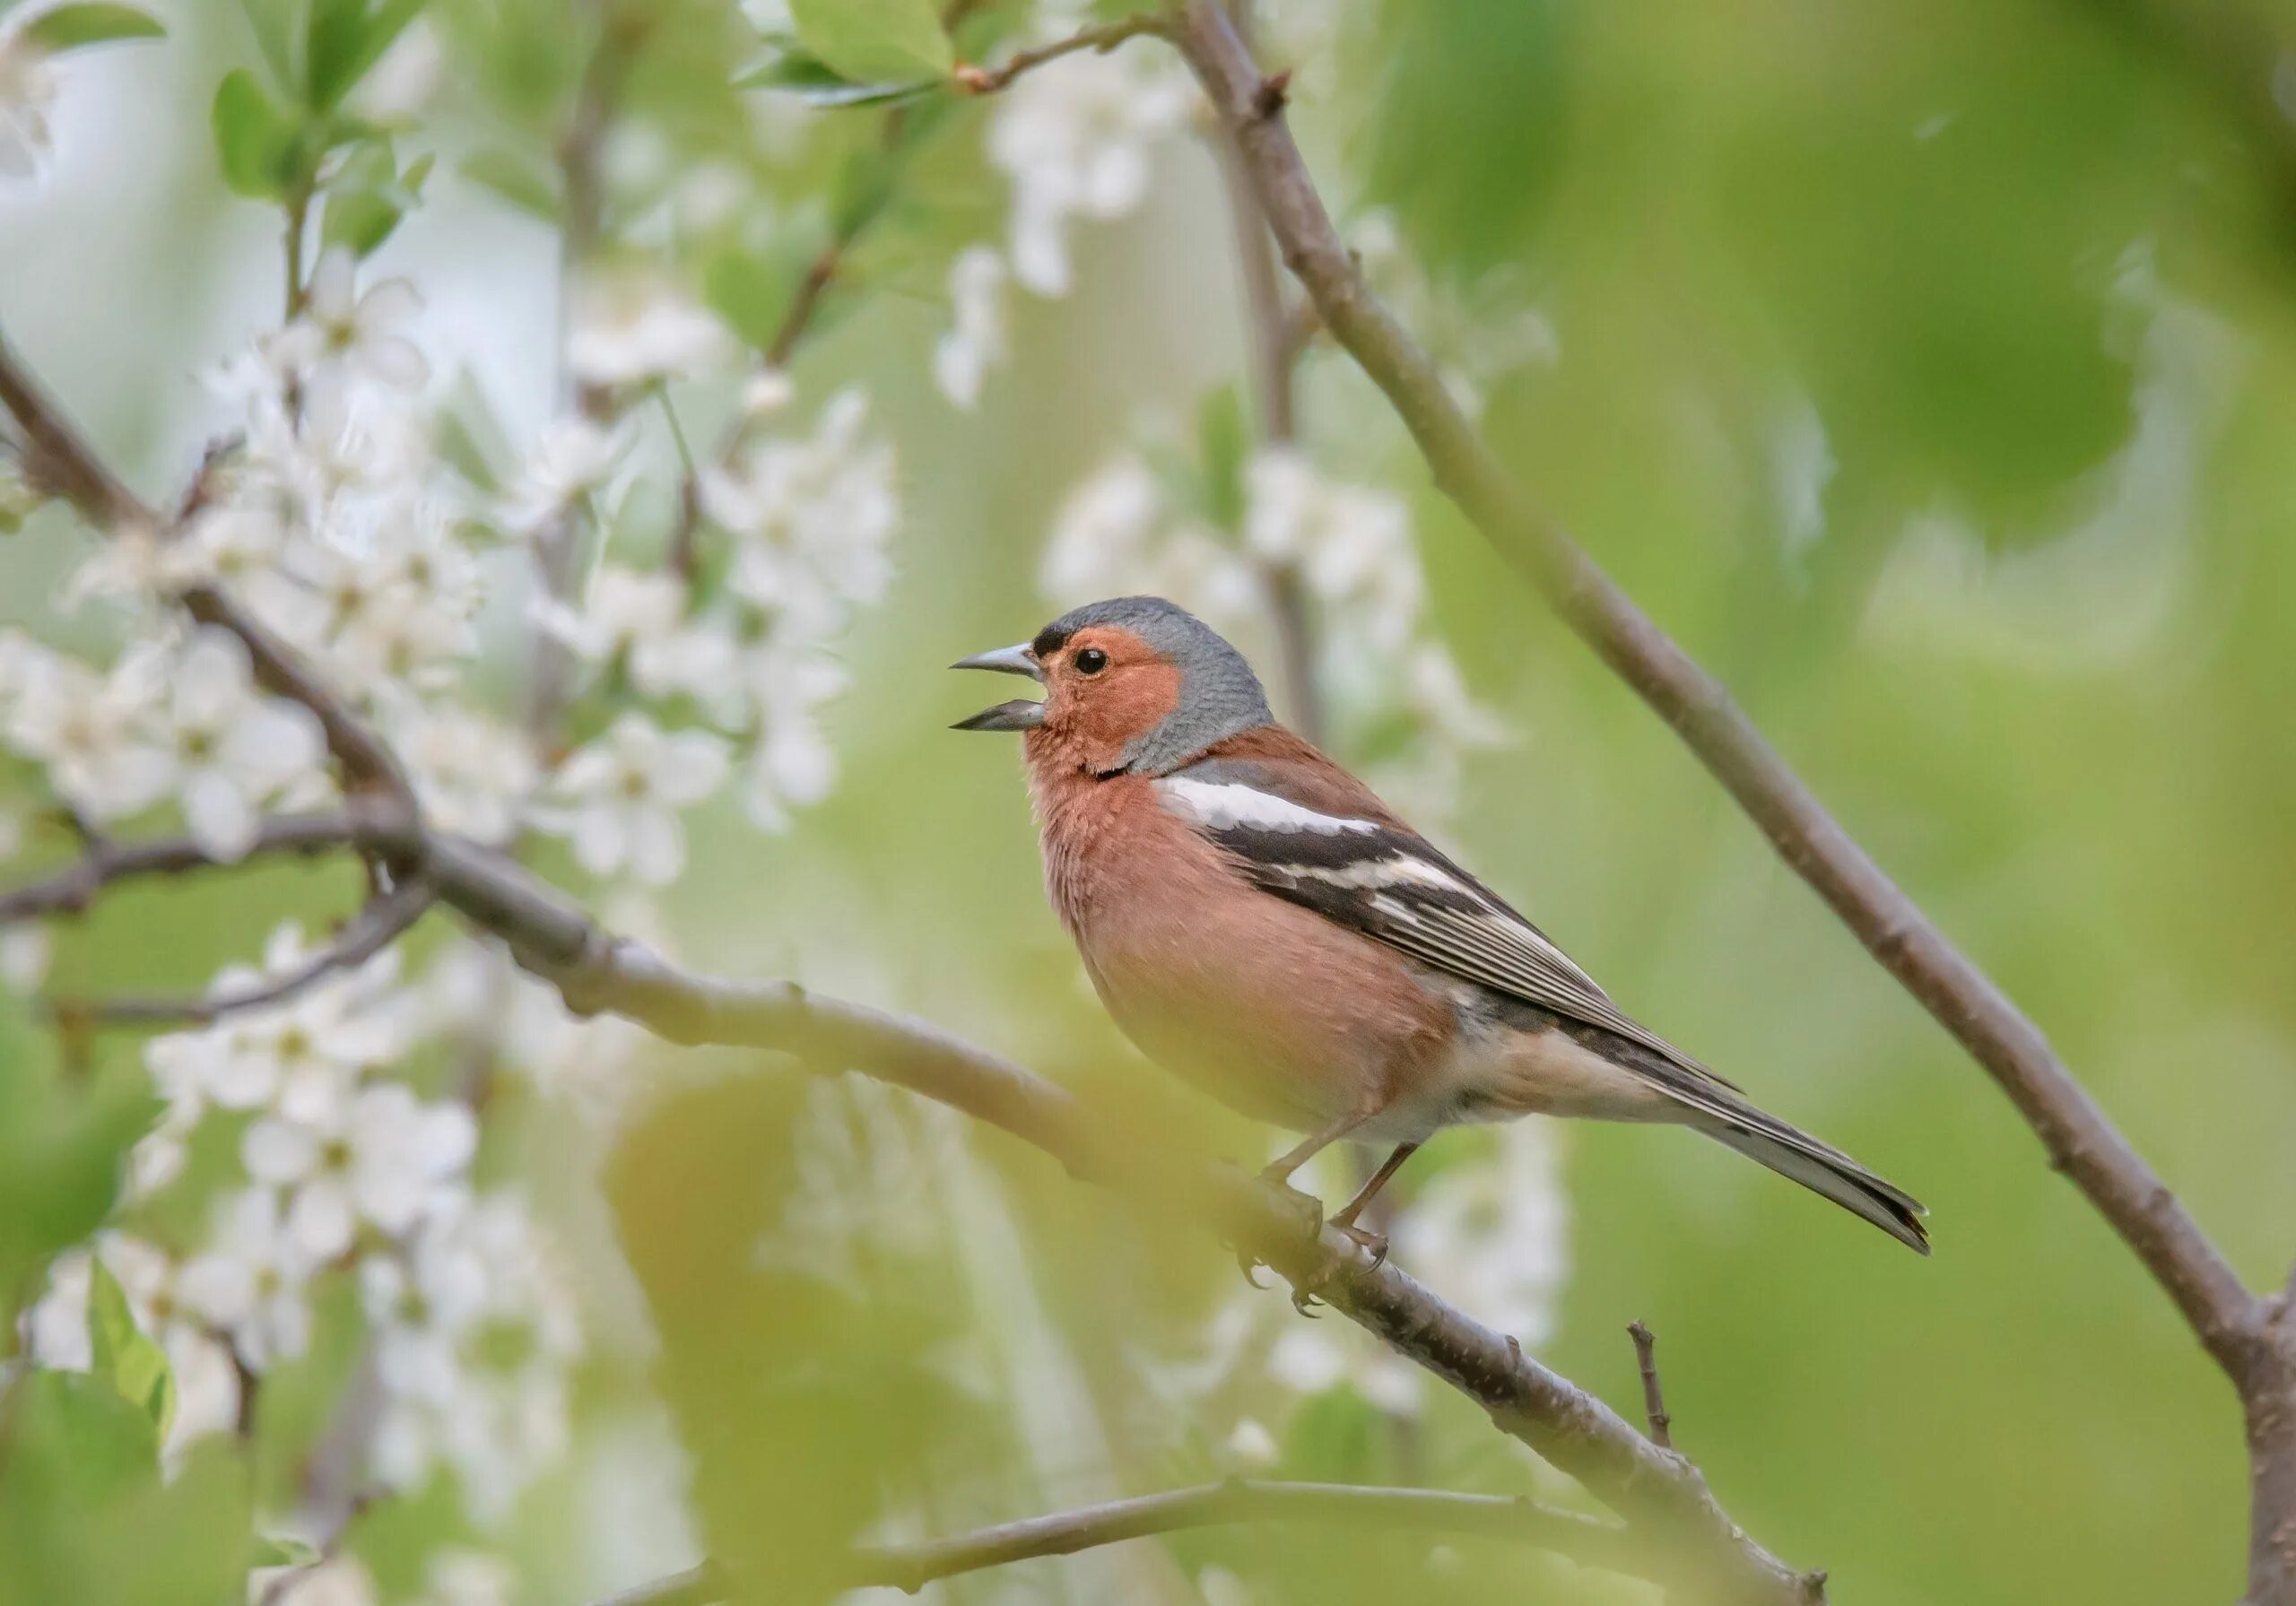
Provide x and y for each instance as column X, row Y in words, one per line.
column 1022, row 713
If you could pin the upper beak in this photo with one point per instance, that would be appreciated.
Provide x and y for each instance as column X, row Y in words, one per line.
column 1020, row 714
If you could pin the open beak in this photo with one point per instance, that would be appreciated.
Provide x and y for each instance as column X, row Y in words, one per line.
column 1022, row 713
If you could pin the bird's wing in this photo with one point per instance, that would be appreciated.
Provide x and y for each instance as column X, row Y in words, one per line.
column 1316, row 837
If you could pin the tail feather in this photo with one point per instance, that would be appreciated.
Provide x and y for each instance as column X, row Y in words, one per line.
column 1822, row 1171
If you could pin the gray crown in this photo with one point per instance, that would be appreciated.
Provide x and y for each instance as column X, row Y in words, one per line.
column 1219, row 696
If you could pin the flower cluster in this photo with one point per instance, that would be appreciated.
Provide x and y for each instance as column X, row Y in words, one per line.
column 1073, row 142
column 342, row 1171
column 1350, row 548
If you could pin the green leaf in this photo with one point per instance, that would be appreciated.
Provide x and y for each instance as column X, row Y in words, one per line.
column 71, row 27
column 346, row 38
column 278, row 28
column 874, row 40
column 283, row 1549
column 517, row 180
column 259, row 145
column 369, row 198
column 805, row 76
column 123, row 1355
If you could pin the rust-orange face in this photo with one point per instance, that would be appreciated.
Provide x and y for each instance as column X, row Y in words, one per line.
column 1131, row 684
column 1105, row 690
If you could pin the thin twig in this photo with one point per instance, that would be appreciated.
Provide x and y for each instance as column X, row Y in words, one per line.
column 380, row 922
column 1274, row 357
column 1654, row 1399
column 988, row 81
column 1586, row 1541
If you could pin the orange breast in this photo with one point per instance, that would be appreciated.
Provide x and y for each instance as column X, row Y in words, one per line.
column 1266, row 1006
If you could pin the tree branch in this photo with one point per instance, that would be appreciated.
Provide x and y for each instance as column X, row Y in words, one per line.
column 910, row 1567
column 988, row 81
column 1653, row 1400
column 380, row 922
column 2080, row 1138
column 1274, row 354
column 63, row 461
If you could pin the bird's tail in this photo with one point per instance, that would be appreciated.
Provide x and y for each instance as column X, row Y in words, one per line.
column 1822, row 1169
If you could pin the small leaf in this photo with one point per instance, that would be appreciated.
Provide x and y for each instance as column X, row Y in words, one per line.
column 867, row 41
column 122, row 1355
column 369, row 198
column 257, row 141
column 70, row 27
column 795, row 72
column 516, row 180
column 278, row 28
column 346, row 39
column 284, row 1550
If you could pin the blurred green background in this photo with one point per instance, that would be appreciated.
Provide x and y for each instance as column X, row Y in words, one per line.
column 1929, row 370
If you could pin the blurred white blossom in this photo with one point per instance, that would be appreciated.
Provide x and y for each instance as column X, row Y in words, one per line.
column 637, row 328
column 27, row 101
column 250, row 1281
column 975, row 342
column 575, row 460
column 813, row 517
column 618, row 799
column 1075, row 143
column 343, row 337
column 1495, row 1235
column 380, row 1156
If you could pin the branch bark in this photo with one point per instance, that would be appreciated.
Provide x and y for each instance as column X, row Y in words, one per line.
column 1586, row 1540
column 380, row 922
column 1275, row 353
column 1654, row 1398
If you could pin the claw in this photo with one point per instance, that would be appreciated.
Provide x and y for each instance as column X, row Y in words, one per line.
column 1249, row 1267
column 1375, row 1242
column 1303, row 1300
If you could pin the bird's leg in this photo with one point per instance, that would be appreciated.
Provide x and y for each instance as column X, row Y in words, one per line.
column 1345, row 1220
column 1279, row 1171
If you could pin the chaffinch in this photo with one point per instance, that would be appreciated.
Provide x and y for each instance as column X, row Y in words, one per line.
column 1258, row 921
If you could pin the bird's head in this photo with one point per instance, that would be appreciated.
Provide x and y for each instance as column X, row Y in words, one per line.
column 1132, row 685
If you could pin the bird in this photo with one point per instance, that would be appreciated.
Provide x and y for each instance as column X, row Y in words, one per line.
column 1258, row 923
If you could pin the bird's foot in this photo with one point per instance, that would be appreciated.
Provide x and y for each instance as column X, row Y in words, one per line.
column 1249, row 1265
column 1365, row 1238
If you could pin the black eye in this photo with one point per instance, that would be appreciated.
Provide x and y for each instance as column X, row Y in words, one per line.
column 1092, row 660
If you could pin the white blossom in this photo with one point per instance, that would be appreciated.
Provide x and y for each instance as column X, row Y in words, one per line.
column 235, row 748
column 303, row 1053
column 640, row 616
column 1074, row 143
column 791, row 763
column 618, row 799
column 813, row 517
column 336, row 1581
column 471, row 774
column 465, row 1578
column 639, row 329
column 381, row 1156
column 1495, row 1236
column 249, row 1279
column 495, row 1412
column 27, row 101
column 342, row 338
column 974, row 343
column 575, row 460
column 25, row 953
column 101, row 737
